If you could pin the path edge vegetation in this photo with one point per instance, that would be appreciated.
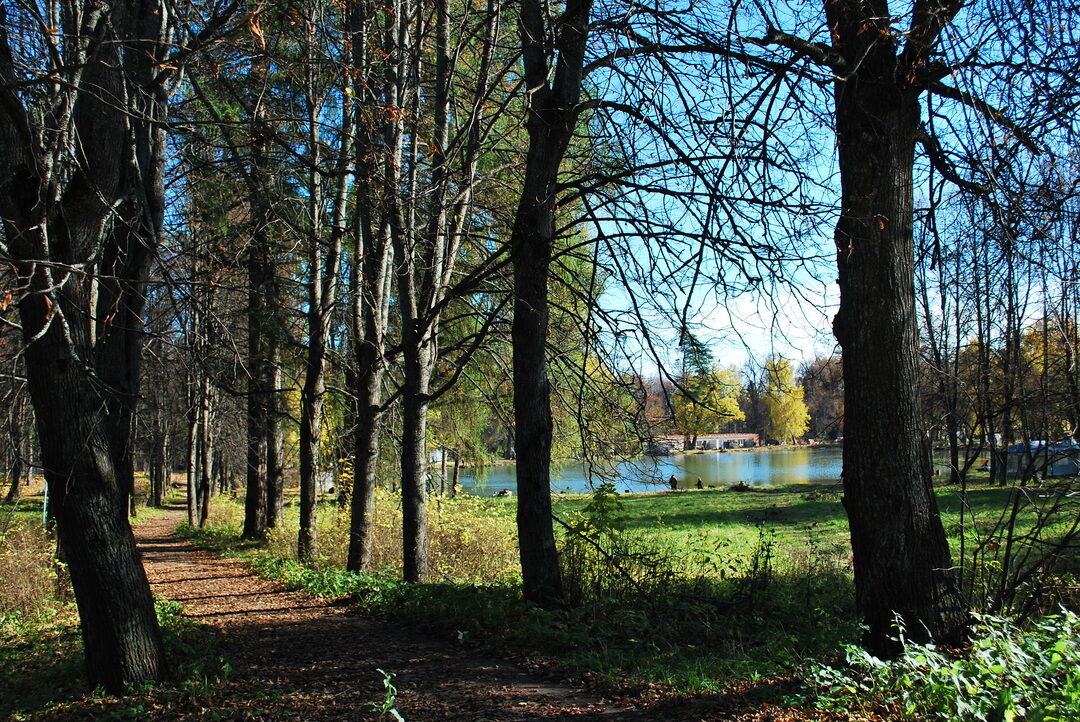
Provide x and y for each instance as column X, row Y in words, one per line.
column 83, row 203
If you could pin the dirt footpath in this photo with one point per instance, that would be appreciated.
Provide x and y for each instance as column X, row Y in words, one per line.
column 298, row 657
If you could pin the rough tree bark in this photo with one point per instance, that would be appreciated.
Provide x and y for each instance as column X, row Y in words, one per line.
column 18, row 443
column 261, row 498
column 205, row 451
column 370, row 287
column 323, row 260
column 192, row 476
column 552, row 117
column 91, row 206
column 903, row 573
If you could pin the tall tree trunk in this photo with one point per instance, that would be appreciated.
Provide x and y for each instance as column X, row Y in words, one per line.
column 371, row 295
column 18, row 438
column 401, row 91
column 260, row 358
column 369, row 285
column 119, row 626
column 415, row 551
column 275, row 444
column 981, row 279
column 903, row 574
column 552, row 117
column 322, row 299
column 310, row 424
column 159, row 472
column 81, row 187
column 311, row 394
column 205, row 451
column 257, row 497
column 457, row 472
column 442, row 471
column 193, row 462
column 541, row 576
column 366, row 454
column 14, row 492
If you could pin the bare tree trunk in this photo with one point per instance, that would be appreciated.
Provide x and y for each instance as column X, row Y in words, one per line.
column 193, row 459
column 18, row 442
column 981, row 278
column 552, row 117
column 426, row 266
column 322, row 300
column 371, row 295
column 901, row 558
column 275, row 445
column 415, row 551
column 14, row 493
column 55, row 219
column 457, row 472
column 311, row 394
column 366, row 445
column 258, row 494
column 442, row 471
column 159, row 468
column 119, row 626
column 262, row 296
column 369, row 283
column 205, row 452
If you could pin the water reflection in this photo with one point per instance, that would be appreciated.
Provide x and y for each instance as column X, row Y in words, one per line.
column 818, row 465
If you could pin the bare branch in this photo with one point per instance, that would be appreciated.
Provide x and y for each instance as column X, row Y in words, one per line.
column 986, row 109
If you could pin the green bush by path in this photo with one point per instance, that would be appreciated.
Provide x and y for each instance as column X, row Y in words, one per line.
column 1010, row 672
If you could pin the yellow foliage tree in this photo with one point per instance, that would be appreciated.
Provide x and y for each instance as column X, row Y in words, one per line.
column 707, row 401
column 786, row 415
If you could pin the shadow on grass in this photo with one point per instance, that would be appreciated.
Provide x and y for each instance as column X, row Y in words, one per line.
column 43, row 675
column 44, row 668
column 698, row 638
column 807, row 512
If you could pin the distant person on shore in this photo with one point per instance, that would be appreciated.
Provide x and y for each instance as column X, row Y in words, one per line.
column 674, row 483
column 699, row 484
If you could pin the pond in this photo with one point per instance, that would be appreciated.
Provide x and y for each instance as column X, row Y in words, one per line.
column 765, row 467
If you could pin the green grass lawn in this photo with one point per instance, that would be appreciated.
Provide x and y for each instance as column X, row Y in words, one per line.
column 714, row 590
column 792, row 517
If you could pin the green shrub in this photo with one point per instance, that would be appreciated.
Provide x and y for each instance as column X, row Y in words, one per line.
column 1010, row 672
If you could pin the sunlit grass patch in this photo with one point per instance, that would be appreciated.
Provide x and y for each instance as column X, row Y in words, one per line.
column 472, row 539
column 689, row 592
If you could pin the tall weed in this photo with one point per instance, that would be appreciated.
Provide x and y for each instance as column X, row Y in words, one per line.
column 31, row 583
column 472, row 539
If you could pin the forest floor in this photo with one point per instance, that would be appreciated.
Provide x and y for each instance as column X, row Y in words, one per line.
column 297, row 657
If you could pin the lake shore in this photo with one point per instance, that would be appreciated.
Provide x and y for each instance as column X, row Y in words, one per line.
column 768, row 466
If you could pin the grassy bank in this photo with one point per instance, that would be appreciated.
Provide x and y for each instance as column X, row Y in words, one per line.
column 689, row 592
column 712, row 589
column 709, row 592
